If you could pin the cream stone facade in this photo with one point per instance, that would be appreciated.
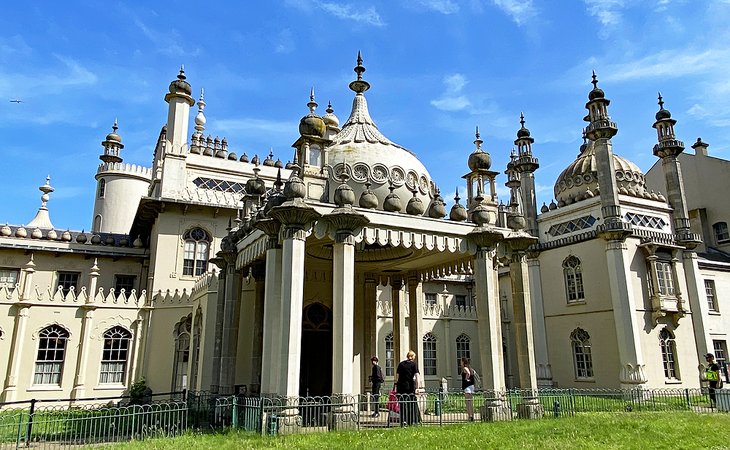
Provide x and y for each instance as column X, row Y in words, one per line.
column 214, row 271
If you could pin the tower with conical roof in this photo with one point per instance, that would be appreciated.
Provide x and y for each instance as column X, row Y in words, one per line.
column 311, row 150
column 481, row 188
column 526, row 164
column 119, row 187
column 667, row 149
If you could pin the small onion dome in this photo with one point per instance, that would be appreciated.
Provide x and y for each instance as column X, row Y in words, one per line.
column 5, row 231
column 516, row 222
column 137, row 242
column 437, row 209
column 109, row 240
column 269, row 161
column 113, row 136
column 96, row 239
column 596, row 92
column 36, row 233
column 278, row 164
column 553, row 206
column 544, row 208
column 479, row 159
column 458, row 212
column 180, row 85
column 81, row 238
column 392, row 201
column 21, row 232
column 368, row 199
column 255, row 185
column 415, row 206
column 294, row 188
column 480, row 214
column 52, row 235
column 244, row 158
column 232, row 156
column 522, row 132
column 344, row 195
column 330, row 119
column 662, row 113
column 255, row 161
column 66, row 236
column 289, row 165
column 124, row 242
column 312, row 124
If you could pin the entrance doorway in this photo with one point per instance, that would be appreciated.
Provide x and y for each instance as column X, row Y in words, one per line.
column 316, row 363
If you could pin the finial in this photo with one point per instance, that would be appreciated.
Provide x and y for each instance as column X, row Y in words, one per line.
column 478, row 142
column 329, row 109
column 115, row 127
column 202, row 94
column 595, row 80
column 661, row 101
column 278, row 183
column 311, row 94
column 312, row 105
column 456, row 197
column 271, row 152
column 477, row 132
column 522, row 119
column 181, row 75
column 359, row 85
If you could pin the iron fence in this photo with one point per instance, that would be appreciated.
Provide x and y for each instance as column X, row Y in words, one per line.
column 64, row 423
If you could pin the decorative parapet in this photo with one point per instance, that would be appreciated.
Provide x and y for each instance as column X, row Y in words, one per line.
column 384, row 308
column 212, row 197
column 168, row 297
column 110, row 297
column 205, row 283
column 461, row 312
column 125, row 168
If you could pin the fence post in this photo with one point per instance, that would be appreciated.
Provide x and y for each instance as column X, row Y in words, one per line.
column 686, row 395
column 29, row 430
column 234, row 419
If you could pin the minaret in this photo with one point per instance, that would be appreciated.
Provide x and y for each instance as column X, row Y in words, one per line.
column 112, row 145
column 600, row 130
column 526, row 165
column 178, row 114
column 200, row 120
column 311, row 151
column 667, row 150
column 479, row 178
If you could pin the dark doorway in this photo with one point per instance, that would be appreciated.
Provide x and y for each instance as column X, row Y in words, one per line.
column 316, row 366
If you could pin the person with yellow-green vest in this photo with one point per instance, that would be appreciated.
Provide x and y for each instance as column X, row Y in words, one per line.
column 712, row 374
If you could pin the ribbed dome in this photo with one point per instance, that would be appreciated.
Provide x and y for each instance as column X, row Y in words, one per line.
column 580, row 179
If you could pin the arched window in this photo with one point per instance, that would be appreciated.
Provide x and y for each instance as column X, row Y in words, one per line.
column 669, row 354
column 97, row 222
column 582, row 360
column 195, row 257
column 573, row 279
column 389, row 356
column 51, row 354
column 429, row 354
column 462, row 350
column 102, row 188
column 197, row 330
column 315, row 154
column 114, row 356
column 721, row 232
column 182, row 354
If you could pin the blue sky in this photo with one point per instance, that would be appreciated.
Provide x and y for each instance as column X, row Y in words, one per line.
column 438, row 68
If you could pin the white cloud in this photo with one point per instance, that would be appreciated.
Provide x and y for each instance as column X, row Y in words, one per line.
column 609, row 14
column 520, row 11
column 284, row 42
column 250, row 125
column 669, row 64
column 367, row 16
column 165, row 43
column 441, row 6
column 453, row 98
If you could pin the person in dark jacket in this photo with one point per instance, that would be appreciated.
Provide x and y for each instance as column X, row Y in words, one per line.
column 376, row 380
column 405, row 387
column 712, row 373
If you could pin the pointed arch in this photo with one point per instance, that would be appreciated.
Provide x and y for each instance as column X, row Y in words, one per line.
column 668, row 347
column 582, row 357
column 51, row 355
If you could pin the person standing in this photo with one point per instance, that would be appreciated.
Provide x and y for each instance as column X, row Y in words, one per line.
column 405, row 387
column 376, row 380
column 712, row 374
column 467, row 385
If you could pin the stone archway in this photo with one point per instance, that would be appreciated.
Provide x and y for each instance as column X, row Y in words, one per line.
column 315, row 376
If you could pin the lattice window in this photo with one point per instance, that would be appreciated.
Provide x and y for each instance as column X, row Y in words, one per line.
column 582, row 359
column 645, row 221
column 114, row 356
column 389, row 355
column 195, row 252
column 669, row 354
column 570, row 226
column 463, row 344
column 429, row 354
column 51, row 354
column 219, row 185
column 573, row 275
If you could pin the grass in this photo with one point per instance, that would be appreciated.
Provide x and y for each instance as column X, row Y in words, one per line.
column 643, row 430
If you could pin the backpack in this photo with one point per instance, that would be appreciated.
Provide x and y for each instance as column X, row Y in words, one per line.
column 380, row 375
column 475, row 377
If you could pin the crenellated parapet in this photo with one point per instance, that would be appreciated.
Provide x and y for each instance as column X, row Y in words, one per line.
column 134, row 170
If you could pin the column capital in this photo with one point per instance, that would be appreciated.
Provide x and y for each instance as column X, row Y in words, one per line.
column 520, row 241
column 271, row 228
column 296, row 216
column 485, row 238
column 346, row 222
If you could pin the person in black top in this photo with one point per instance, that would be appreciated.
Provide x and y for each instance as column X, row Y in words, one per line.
column 712, row 373
column 405, row 387
column 467, row 384
column 376, row 380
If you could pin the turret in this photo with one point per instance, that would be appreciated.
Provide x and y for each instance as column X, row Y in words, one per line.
column 112, row 145
column 311, row 150
column 479, row 180
column 667, row 149
column 525, row 164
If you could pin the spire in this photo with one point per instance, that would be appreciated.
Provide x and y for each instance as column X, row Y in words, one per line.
column 478, row 141
column 200, row 119
column 312, row 105
column 359, row 86
column 112, row 145
column 42, row 219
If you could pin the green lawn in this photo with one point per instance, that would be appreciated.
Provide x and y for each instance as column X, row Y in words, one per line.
column 676, row 430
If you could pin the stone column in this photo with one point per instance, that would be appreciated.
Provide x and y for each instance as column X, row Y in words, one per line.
column 370, row 321
column 79, row 389
column 16, row 352
column 343, row 277
column 539, row 333
column 522, row 320
column 231, row 320
column 490, row 325
column 257, row 330
column 218, row 342
column 698, row 305
column 415, row 315
column 399, row 325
